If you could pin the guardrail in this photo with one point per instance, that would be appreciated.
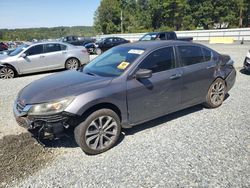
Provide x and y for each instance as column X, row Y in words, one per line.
column 198, row 35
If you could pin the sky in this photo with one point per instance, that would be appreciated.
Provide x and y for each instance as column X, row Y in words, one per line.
column 46, row 13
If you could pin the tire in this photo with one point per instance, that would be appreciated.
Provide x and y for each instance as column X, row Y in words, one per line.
column 7, row 72
column 72, row 64
column 98, row 51
column 216, row 94
column 94, row 136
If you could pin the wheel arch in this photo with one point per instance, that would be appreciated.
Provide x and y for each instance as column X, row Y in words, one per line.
column 72, row 57
column 14, row 68
column 104, row 105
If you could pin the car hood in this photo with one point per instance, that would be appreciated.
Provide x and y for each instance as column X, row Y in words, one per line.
column 3, row 56
column 7, row 59
column 60, row 85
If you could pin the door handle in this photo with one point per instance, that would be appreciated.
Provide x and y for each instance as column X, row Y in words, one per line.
column 64, row 52
column 211, row 66
column 175, row 76
column 42, row 56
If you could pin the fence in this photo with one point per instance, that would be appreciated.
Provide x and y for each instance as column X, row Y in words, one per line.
column 198, row 35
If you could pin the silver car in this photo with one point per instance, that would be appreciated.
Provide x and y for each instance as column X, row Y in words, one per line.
column 42, row 57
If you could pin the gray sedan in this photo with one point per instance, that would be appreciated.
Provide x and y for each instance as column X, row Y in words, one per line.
column 42, row 57
column 125, row 86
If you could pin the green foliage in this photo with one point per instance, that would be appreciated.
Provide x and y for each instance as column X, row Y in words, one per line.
column 154, row 15
column 44, row 33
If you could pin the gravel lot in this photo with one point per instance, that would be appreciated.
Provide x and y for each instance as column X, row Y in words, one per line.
column 196, row 147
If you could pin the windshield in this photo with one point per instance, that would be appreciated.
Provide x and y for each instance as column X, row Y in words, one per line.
column 100, row 40
column 113, row 62
column 150, row 36
column 18, row 50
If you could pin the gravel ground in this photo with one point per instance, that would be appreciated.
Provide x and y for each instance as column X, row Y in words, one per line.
column 196, row 147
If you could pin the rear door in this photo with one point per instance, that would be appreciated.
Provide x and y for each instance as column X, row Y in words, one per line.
column 198, row 73
column 55, row 55
column 158, row 95
column 34, row 61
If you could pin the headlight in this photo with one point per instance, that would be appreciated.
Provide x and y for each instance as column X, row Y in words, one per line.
column 51, row 107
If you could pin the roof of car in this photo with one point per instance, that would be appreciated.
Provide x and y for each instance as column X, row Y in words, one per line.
column 49, row 42
column 148, row 45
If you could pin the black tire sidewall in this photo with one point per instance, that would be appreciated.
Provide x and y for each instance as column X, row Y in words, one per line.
column 81, row 129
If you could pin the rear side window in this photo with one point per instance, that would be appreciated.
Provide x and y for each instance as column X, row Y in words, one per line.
column 35, row 50
column 63, row 47
column 190, row 55
column 159, row 60
column 52, row 48
column 207, row 54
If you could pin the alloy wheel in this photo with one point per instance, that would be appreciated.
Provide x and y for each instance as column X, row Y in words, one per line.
column 6, row 73
column 217, row 93
column 72, row 64
column 101, row 133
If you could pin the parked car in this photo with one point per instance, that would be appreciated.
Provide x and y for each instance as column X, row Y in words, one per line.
column 125, row 86
column 104, row 44
column 3, row 46
column 246, row 64
column 7, row 52
column 78, row 41
column 169, row 35
column 42, row 57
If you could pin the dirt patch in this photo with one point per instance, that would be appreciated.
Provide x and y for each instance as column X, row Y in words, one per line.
column 20, row 156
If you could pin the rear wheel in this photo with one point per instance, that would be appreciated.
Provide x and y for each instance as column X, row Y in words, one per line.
column 98, row 51
column 216, row 93
column 72, row 64
column 99, row 132
column 7, row 72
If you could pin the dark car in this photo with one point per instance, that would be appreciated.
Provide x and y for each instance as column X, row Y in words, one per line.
column 246, row 64
column 104, row 44
column 125, row 86
column 77, row 41
column 165, row 35
column 3, row 46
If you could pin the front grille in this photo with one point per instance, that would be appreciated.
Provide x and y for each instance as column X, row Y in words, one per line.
column 48, row 118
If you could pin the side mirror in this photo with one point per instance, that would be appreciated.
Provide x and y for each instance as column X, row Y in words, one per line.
column 143, row 73
column 23, row 55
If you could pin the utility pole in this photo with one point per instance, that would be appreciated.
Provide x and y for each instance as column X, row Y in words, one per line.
column 121, row 16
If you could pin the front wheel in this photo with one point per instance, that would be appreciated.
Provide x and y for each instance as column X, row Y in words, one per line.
column 216, row 93
column 7, row 72
column 99, row 132
column 72, row 64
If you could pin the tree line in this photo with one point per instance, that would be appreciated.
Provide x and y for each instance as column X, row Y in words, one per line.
column 115, row 16
column 44, row 33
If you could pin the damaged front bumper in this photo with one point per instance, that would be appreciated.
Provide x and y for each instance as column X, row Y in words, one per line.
column 43, row 126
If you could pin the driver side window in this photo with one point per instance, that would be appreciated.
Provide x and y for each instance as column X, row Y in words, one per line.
column 159, row 60
column 35, row 50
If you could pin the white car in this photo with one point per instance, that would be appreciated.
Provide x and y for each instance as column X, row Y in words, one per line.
column 42, row 57
column 247, row 62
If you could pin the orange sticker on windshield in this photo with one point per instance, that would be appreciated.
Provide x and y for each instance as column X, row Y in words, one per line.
column 123, row 65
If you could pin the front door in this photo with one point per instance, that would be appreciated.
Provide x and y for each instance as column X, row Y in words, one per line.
column 34, row 60
column 158, row 95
